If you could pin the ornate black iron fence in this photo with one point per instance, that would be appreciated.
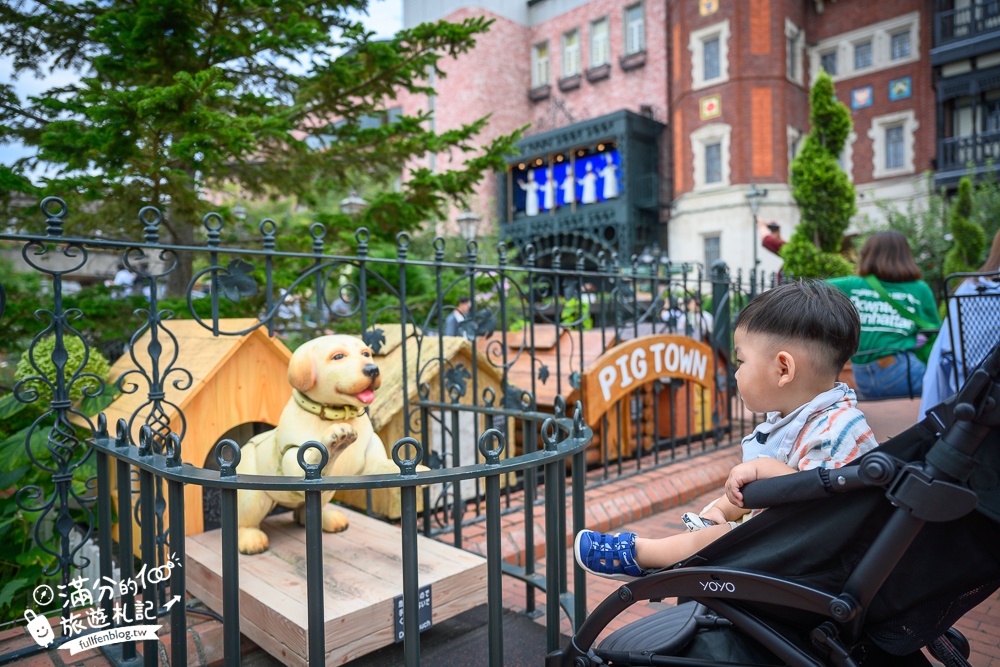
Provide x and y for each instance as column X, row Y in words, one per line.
column 534, row 326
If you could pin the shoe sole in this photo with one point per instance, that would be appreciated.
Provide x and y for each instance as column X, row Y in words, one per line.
column 576, row 557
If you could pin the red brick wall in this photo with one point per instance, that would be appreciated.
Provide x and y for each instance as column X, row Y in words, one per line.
column 646, row 85
column 757, row 77
column 758, row 101
column 843, row 16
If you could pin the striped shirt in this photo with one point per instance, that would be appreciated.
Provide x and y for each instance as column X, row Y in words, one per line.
column 827, row 432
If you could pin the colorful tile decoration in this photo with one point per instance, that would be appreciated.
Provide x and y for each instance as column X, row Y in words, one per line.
column 862, row 97
column 710, row 107
column 900, row 89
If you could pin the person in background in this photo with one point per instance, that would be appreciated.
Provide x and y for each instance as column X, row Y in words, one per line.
column 457, row 316
column 343, row 305
column 124, row 280
column 770, row 236
column 894, row 305
column 983, row 307
column 695, row 321
column 671, row 314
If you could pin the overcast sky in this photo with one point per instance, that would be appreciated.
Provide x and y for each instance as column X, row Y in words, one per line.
column 385, row 18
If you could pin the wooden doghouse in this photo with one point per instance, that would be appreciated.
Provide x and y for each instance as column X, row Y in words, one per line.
column 236, row 381
column 426, row 358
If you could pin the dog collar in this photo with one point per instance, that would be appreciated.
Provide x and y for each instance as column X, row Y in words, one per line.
column 327, row 412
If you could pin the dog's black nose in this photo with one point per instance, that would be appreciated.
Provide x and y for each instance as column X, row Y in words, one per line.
column 370, row 370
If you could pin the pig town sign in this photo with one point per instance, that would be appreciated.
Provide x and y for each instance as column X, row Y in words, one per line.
column 626, row 367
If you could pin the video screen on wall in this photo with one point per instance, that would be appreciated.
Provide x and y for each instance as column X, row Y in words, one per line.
column 581, row 177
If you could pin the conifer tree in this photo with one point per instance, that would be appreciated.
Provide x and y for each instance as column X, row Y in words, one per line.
column 968, row 237
column 276, row 98
column 821, row 189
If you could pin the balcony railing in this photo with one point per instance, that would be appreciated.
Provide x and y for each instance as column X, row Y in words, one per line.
column 952, row 25
column 977, row 149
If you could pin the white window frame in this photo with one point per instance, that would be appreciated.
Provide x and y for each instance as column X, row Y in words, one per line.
column 902, row 146
column 696, row 45
column 870, row 43
column 704, row 136
column 571, row 64
column 704, row 246
column 541, row 73
column 836, row 61
column 796, row 138
column 713, row 144
column 909, row 44
column 908, row 120
column 880, row 34
column 846, row 160
column 600, row 45
column 635, row 37
column 795, row 52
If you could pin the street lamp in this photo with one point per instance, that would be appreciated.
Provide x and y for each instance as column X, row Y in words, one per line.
column 352, row 204
column 467, row 224
column 754, row 198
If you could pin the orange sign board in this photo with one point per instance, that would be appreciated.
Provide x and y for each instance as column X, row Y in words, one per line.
column 628, row 366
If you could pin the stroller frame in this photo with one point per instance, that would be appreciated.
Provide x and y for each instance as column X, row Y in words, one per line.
column 934, row 489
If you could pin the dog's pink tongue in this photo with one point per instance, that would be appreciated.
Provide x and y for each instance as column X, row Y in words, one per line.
column 367, row 396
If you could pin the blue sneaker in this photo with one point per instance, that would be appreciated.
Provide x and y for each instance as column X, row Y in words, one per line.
column 611, row 556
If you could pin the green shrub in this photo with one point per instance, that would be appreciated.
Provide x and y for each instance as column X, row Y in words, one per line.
column 77, row 361
column 968, row 236
column 822, row 190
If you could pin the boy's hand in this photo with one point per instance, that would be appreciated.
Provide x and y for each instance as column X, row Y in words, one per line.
column 751, row 471
column 714, row 514
column 739, row 476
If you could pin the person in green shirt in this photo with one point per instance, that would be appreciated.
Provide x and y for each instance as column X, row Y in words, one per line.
column 894, row 306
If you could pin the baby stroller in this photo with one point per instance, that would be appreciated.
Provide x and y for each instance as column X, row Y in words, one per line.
column 864, row 565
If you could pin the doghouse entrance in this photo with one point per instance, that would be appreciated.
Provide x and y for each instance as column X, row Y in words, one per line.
column 211, row 503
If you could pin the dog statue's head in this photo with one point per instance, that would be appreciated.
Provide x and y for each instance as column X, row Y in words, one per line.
column 335, row 370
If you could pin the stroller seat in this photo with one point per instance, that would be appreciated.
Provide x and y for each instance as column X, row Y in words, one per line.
column 863, row 565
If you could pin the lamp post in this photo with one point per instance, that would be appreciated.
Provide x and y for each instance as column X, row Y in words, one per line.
column 754, row 197
column 467, row 224
column 352, row 204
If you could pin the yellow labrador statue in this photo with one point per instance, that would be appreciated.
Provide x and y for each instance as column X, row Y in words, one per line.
column 334, row 378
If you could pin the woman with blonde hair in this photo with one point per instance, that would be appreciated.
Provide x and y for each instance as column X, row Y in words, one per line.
column 980, row 297
column 894, row 305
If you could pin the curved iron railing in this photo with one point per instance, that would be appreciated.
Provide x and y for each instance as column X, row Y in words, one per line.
column 624, row 299
column 564, row 437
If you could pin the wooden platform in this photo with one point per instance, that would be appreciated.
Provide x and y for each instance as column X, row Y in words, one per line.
column 362, row 576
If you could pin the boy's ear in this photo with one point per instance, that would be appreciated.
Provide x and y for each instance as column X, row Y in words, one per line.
column 786, row 367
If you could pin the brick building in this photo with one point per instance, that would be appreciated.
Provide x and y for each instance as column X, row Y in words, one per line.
column 650, row 121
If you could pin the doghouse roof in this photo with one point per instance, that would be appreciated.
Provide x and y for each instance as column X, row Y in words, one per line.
column 422, row 355
column 203, row 355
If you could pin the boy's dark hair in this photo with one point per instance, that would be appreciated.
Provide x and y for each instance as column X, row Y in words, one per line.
column 463, row 299
column 812, row 312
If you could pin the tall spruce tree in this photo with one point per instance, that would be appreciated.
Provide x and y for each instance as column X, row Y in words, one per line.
column 180, row 97
column 821, row 189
